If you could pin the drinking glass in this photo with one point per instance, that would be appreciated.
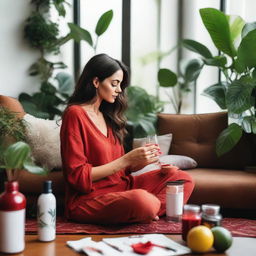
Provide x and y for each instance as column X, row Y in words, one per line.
column 152, row 139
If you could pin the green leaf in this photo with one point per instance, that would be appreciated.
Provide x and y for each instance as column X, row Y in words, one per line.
column 16, row 154
column 32, row 109
column 60, row 8
column 78, row 34
column 218, row 61
column 192, row 70
column 166, row 78
column 197, row 47
column 236, row 24
column 24, row 97
column 217, row 92
column 238, row 97
column 228, row 139
column 32, row 168
column 66, row 83
column 239, row 66
column 217, row 25
column 254, row 74
column 246, row 50
column 248, row 27
column 103, row 22
column 249, row 124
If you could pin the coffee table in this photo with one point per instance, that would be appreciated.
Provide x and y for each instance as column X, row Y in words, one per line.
column 241, row 246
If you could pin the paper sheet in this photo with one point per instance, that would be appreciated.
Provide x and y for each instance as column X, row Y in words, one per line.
column 121, row 246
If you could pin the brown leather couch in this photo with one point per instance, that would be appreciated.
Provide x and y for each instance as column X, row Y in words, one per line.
column 221, row 180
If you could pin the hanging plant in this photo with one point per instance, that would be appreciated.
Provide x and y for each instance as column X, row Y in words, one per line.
column 43, row 34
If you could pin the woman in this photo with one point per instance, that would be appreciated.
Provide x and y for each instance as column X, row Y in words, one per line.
column 99, row 186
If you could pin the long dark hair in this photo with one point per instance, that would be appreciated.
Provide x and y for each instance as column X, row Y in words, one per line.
column 103, row 66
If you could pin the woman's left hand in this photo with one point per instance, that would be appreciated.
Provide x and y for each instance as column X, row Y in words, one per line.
column 143, row 156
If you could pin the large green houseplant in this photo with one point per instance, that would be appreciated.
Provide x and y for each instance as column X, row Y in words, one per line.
column 236, row 92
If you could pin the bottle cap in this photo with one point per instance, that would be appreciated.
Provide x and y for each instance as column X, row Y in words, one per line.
column 211, row 209
column 193, row 208
column 175, row 182
column 47, row 188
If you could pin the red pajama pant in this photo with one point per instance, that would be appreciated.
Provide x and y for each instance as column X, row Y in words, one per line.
column 144, row 201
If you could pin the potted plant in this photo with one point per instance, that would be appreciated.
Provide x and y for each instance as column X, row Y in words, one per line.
column 236, row 92
column 15, row 155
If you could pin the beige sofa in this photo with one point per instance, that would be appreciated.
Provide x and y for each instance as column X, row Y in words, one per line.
column 221, row 181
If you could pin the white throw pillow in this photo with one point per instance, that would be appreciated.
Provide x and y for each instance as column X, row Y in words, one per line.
column 43, row 136
column 182, row 162
column 163, row 140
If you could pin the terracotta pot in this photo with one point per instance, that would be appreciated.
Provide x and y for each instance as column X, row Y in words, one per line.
column 12, row 219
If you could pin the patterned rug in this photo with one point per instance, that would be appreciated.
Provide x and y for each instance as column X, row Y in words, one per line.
column 238, row 227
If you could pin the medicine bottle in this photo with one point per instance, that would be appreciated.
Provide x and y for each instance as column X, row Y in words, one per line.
column 210, row 215
column 191, row 217
column 46, row 213
column 174, row 200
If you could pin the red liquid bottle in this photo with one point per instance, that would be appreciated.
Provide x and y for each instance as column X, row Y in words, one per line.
column 191, row 217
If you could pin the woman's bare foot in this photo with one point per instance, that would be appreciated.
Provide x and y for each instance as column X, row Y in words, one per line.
column 156, row 218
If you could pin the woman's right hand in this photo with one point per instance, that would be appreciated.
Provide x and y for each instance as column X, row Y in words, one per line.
column 142, row 156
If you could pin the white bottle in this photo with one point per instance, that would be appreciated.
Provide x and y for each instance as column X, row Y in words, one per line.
column 46, row 213
column 174, row 200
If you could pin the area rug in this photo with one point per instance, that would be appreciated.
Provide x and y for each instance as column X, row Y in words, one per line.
column 238, row 227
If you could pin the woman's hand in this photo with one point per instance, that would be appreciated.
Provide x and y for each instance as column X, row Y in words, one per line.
column 142, row 156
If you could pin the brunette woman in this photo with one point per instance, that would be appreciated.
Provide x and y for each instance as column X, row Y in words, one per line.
column 99, row 184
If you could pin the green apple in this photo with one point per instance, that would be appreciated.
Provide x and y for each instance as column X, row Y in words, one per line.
column 222, row 239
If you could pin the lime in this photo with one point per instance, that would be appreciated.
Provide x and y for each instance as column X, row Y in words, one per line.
column 222, row 239
column 200, row 239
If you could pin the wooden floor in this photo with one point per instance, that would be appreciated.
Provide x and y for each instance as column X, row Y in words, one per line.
column 240, row 247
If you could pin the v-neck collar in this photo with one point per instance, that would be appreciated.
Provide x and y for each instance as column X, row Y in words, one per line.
column 94, row 125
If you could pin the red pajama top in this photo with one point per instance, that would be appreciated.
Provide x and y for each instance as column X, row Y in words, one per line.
column 83, row 146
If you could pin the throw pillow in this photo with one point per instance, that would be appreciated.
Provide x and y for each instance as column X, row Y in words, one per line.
column 43, row 136
column 164, row 142
column 182, row 162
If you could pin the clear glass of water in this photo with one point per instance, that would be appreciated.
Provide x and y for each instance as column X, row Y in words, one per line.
column 152, row 139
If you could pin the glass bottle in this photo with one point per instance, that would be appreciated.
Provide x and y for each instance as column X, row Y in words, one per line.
column 210, row 215
column 191, row 217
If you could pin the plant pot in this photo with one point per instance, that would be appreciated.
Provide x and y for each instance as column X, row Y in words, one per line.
column 12, row 219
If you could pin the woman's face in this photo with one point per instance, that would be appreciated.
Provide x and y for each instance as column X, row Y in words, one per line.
column 110, row 87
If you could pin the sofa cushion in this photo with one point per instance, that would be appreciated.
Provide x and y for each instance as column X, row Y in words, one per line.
column 12, row 104
column 182, row 162
column 195, row 136
column 234, row 189
column 43, row 136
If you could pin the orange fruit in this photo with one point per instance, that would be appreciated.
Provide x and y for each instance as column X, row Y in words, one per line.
column 222, row 239
column 200, row 239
